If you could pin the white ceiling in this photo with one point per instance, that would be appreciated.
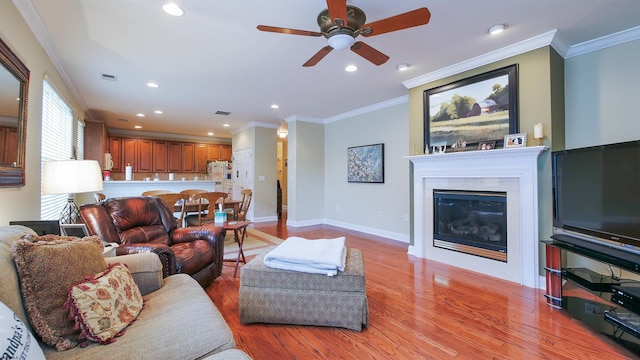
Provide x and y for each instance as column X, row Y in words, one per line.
column 213, row 58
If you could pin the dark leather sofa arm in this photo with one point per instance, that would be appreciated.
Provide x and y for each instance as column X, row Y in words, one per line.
column 164, row 252
column 213, row 234
column 210, row 233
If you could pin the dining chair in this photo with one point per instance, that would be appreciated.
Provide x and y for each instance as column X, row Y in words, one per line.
column 175, row 201
column 192, row 192
column 99, row 197
column 207, row 205
column 155, row 192
column 247, row 194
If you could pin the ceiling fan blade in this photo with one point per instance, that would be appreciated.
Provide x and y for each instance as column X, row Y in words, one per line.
column 288, row 31
column 369, row 53
column 318, row 56
column 338, row 10
column 402, row 21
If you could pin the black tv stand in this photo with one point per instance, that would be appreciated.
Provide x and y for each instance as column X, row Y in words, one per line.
column 587, row 296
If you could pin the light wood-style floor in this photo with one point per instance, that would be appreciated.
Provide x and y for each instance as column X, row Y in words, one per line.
column 420, row 309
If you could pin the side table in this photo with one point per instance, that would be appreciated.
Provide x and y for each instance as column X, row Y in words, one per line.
column 239, row 233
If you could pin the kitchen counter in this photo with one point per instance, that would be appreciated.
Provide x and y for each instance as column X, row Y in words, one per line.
column 136, row 188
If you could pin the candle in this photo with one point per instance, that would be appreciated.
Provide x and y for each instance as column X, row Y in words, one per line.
column 127, row 171
column 537, row 131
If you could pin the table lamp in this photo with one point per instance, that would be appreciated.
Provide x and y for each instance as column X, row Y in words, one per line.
column 71, row 177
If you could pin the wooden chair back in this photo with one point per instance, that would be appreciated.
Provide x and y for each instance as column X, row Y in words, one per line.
column 175, row 202
column 99, row 197
column 192, row 192
column 207, row 206
column 155, row 192
column 247, row 194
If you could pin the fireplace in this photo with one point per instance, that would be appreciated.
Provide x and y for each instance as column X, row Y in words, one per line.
column 512, row 171
column 472, row 222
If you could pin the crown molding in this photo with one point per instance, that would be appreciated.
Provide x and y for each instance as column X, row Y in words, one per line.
column 33, row 20
column 294, row 118
column 518, row 48
column 255, row 124
column 367, row 109
column 604, row 42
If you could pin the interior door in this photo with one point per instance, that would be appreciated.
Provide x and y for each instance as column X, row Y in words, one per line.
column 242, row 175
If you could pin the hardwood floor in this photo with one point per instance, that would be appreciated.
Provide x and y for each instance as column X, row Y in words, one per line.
column 420, row 309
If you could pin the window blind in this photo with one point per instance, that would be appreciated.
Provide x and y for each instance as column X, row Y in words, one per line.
column 57, row 144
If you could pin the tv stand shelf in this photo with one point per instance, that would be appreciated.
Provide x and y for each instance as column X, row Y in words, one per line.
column 587, row 295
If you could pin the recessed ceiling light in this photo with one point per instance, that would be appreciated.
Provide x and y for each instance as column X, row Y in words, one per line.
column 210, row 133
column 140, row 115
column 152, row 85
column 158, row 112
column 138, row 127
column 351, row 68
column 497, row 29
column 173, row 9
column 275, row 106
column 225, row 125
column 402, row 67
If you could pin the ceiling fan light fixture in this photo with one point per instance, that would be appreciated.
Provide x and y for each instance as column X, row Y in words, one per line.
column 497, row 29
column 351, row 68
column 402, row 67
column 341, row 41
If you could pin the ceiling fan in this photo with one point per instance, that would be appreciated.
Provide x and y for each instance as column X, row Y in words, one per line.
column 341, row 24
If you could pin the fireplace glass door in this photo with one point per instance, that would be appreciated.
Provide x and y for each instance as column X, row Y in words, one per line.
column 471, row 222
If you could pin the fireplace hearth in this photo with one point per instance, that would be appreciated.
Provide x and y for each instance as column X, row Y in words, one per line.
column 471, row 222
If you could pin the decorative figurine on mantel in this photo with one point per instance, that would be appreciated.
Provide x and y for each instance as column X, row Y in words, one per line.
column 439, row 149
column 459, row 145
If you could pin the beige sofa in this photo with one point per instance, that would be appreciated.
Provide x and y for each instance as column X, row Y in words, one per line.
column 179, row 320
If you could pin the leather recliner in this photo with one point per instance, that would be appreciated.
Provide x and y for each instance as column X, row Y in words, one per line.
column 146, row 224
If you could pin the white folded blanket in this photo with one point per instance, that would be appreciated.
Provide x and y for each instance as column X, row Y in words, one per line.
column 321, row 256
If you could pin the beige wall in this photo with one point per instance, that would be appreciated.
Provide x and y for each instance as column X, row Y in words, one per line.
column 306, row 173
column 23, row 203
column 380, row 209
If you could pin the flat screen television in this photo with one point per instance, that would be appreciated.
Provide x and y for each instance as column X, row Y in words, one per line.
column 597, row 193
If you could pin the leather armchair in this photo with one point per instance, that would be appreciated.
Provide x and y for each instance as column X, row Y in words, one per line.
column 146, row 224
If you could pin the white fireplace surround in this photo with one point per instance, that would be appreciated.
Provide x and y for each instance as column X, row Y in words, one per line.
column 511, row 170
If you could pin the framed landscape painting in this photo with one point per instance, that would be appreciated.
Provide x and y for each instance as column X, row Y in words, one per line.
column 365, row 164
column 477, row 109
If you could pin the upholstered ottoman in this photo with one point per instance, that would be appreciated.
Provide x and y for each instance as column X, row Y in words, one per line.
column 290, row 297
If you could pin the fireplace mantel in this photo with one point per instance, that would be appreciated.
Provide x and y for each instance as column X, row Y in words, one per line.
column 513, row 170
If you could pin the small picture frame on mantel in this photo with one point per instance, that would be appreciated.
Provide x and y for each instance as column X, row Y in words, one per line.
column 486, row 145
column 515, row 140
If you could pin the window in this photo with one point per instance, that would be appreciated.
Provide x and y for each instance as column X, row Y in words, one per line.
column 57, row 144
column 79, row 140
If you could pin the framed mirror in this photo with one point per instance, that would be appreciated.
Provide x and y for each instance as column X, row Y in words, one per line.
column 14, row 88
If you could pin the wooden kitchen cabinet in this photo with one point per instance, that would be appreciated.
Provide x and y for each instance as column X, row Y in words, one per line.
column 188, row 157
column 96, row 141
column 145, row 155
column 8, row 145
column 174, row 156
column 226, row 152
column 115, row 148
column 201, row 157
column 130, row 153
column 160, row 156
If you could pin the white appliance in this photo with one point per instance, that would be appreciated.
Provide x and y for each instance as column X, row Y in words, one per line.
column 220, row 173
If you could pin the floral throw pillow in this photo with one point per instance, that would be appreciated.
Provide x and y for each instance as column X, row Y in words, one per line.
column 104, row 305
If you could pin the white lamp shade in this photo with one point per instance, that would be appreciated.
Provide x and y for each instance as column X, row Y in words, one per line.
column 341, row 41
column 71, row 177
